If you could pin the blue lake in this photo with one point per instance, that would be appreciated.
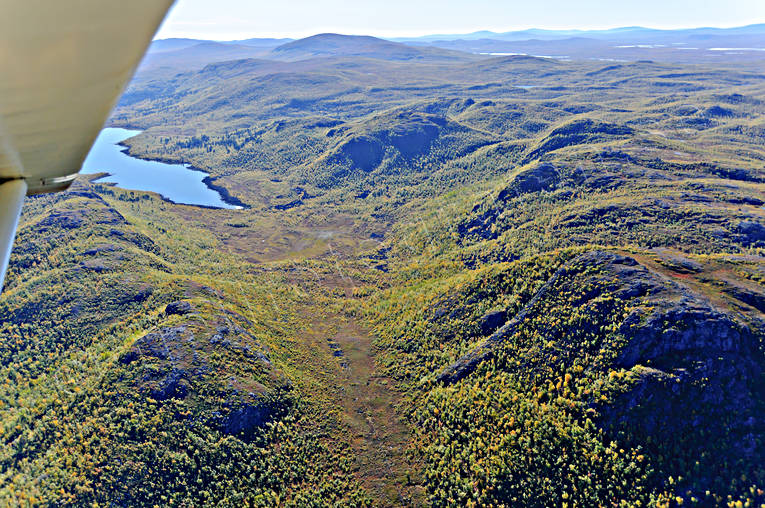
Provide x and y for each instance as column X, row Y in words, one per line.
column 175, row 182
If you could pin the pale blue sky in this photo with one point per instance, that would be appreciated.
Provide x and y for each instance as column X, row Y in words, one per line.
column 239, row 19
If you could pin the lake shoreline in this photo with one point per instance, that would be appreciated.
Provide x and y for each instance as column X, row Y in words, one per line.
column 169, row 192
column 209, row 180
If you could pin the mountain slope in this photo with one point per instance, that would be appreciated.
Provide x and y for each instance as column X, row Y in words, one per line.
column 196, row 56
column 335, row 45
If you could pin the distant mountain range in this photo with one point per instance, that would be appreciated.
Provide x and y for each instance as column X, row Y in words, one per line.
column 614, row 33
column 163, row 45
column 193, row 54
column 696, row 45
column 187, row 54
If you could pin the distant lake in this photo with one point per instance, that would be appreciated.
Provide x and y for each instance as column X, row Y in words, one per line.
column 174, row 182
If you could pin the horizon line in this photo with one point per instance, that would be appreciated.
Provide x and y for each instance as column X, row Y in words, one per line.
column 271, row 35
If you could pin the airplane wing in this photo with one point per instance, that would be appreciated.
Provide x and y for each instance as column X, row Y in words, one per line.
column 63, row 66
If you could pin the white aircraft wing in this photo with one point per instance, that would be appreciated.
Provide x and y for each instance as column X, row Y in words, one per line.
column 63, row 66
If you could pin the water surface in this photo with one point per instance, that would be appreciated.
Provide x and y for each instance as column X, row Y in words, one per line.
column 175, row 182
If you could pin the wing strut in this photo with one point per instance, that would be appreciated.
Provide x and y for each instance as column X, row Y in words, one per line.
column 12, row 194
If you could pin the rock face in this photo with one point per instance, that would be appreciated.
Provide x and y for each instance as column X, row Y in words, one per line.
column 63, row 220
column 718, row 111
column 684, row 327
column 542, row 177
column 246, row 419
column 249, row 413
column 747, row 295
column 492, row 320
column 413, row 134
column 410, row 134
column 178, row 308
column 171, row 375
column 467, row 364
column 752, row 233
column 363, row 152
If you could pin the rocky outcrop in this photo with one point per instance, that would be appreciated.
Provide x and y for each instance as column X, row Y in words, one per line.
column 100, row 249
column 678, row 323
column 132, row 294
column 156, row 344
column 362, row 152
column 95, row 265
column 490, row 321
column 752, row 233
column 248, row 413
column 169, row 373
column 189, row 361
column 174, row 385
column 542, row 177
column 414, row 134
column 246, row 419
column 677, row 263
column 719, row 111
column 289, row 205
column 63, row 220
column 179, row 308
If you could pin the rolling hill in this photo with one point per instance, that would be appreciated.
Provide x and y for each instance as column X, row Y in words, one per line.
column 335, row 45
column 195, row 56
